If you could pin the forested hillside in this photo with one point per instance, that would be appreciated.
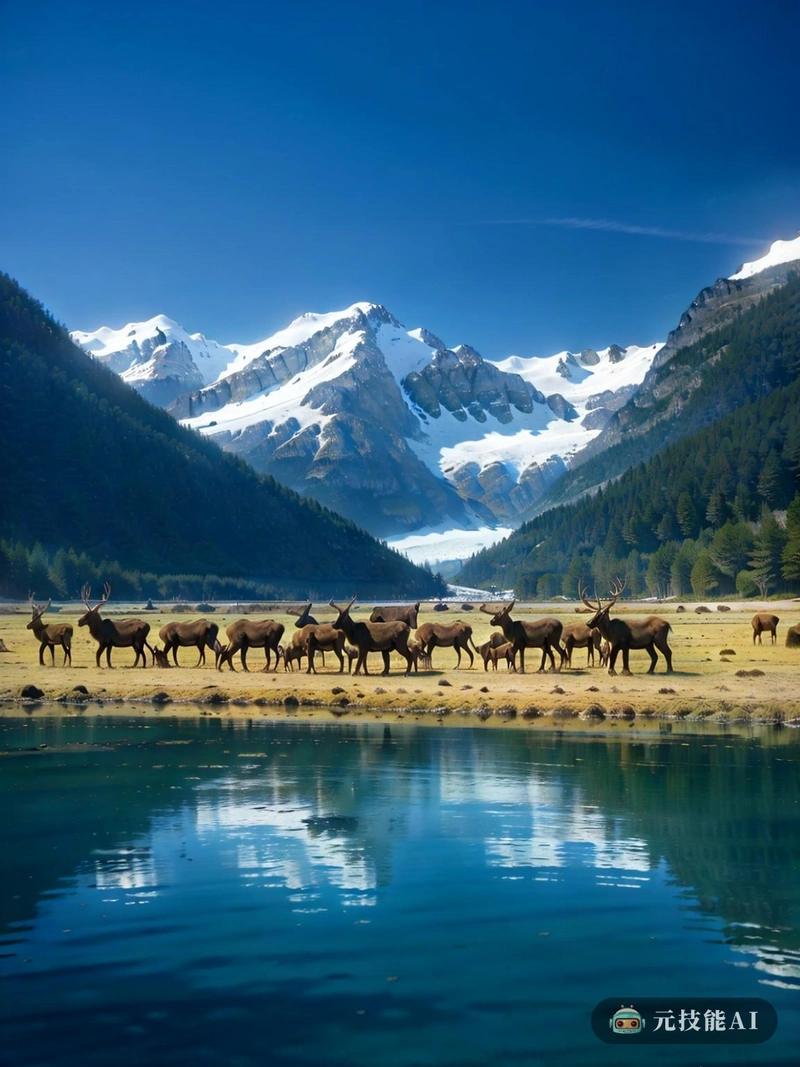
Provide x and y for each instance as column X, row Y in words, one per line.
column 87, row 467
column 703, row 382
column 704, row 515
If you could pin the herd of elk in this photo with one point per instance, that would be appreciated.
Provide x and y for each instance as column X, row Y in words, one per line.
column 389, row 630
column 51, row 634
column 650, row 633
column 122, row 633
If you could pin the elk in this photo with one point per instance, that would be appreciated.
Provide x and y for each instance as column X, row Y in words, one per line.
column 457, row 635
column 49, row 635
column 247, row 633
column 160, row 658
column 293, row 654
column 497, row 648
column 322, row 637
column 763, row 622
column 579, row 635
column 418, row 655
column 369, row 637
column 304, row 617
column 125, row 633
column 650, row 633
column 201, row 634
column 405, row 613
column 543, row 633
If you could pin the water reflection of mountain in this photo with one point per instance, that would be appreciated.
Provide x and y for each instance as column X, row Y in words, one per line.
column 305, row 807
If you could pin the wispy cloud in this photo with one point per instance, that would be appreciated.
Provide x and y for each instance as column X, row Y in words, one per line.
column 612, row 226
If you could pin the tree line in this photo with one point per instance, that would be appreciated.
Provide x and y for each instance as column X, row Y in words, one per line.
column 715, row 513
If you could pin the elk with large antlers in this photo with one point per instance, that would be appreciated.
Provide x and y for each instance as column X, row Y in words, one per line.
column 50, row 635
column 247, row 633
column 383, row 637
column 125, row 633
column 650, row 633
column 544, row 634
column 201, row 634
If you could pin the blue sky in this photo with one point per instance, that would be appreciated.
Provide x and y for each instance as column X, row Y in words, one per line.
column 523, row 177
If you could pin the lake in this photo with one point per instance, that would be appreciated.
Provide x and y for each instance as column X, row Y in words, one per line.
column 204, row 891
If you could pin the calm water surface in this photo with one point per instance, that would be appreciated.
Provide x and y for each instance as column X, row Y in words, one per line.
column 204, row 892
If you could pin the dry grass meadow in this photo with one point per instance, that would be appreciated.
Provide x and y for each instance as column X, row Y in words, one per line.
column 719, row 677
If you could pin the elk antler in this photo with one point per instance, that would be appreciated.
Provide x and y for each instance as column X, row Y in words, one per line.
column 582, row 594
column 86, row 593
column 617, row 589
column 106, row 594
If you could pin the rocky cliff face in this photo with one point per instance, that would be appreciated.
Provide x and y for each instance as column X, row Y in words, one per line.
column 714, row 307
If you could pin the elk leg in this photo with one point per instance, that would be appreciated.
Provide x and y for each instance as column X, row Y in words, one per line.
column 653, row 658
column 666, row 652
column 626, row 653
column 544, row 654
column 202, row 657
column 244, row 659
column 341, row 660
column 468, row 650
column 310, row 653
column 98, row 655
column 175, row 654
column 612, row 659
column 457, row 647
column 41, row 653
column 385, row 655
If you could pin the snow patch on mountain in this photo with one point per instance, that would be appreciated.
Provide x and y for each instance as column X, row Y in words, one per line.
column 596, row 379
column 780, row 252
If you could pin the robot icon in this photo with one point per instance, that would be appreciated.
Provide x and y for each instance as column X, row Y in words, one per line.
column 626, row 1021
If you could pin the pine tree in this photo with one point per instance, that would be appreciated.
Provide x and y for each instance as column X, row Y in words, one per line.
column 765, row 559
column 791, row 553
column 704, row 576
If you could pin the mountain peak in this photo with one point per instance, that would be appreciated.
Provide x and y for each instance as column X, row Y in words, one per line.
column 780, row 252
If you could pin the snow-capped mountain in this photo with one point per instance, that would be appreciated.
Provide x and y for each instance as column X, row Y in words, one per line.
column 157, row 357
column 386, row 425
